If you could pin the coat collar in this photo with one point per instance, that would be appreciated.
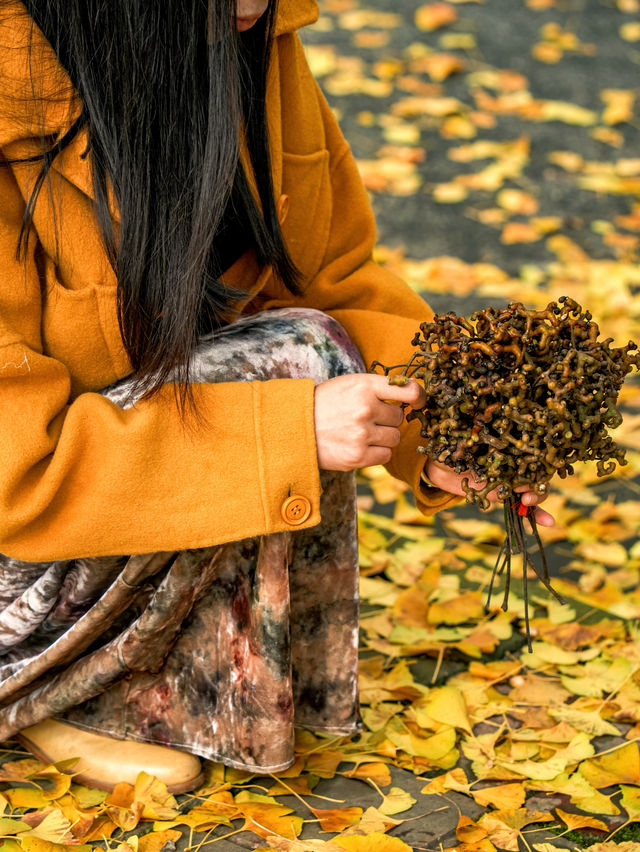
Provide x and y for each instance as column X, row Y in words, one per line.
column 293, row 14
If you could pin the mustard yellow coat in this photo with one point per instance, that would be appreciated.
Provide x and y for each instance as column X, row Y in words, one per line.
column 78, row 475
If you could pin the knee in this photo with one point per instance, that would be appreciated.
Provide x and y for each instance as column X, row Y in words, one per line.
column 329, row 349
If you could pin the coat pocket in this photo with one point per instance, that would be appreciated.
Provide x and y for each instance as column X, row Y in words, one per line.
column 306, row 182
column 80, row 329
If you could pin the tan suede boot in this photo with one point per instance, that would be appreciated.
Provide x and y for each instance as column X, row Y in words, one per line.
column 105, row 761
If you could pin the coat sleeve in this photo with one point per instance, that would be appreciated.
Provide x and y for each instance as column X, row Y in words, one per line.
column 379, row 310
column 80, row 476
column 87, row 478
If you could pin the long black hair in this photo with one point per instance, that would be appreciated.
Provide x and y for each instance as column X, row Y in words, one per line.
column 168, row 88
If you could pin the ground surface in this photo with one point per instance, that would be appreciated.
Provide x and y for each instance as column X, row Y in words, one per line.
column 500, row 143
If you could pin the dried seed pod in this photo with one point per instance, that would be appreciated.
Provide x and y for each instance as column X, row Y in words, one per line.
column 515, row 396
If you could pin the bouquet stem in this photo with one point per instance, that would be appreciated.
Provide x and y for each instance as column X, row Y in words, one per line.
column 515, row 543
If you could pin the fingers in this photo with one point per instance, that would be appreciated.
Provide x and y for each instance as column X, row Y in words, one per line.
column 544, row 518
column 412, row 393
column 447, row 479
column 530, row 498
column 387, row 414
column 384, row 436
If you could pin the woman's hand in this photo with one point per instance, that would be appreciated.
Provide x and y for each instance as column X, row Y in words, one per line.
column 447, row 479
column 357, row 419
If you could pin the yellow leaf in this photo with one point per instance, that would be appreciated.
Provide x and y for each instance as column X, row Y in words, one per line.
column 548, row 653
column 373, row 822
column 545, row 770
column 433, row 748
column 504, row 827
column 454, row 780
column 619, row 107
column 517, row 201
column 630, row 801
column 581, row 793
column 630, row 31
column 396, row 801
column 292, row 786
column 449, row 193
column 619, row 767
column 610, row 553
column 559, row 111
column 570, row 161
column 375, row 842
column 457, row 610
column 25, row 797
column 607, row 135
column 375, row 718
column 87, row 797
column 577, row 821
column 11, row 825
column 447, row 705
column 458, row 127
column 130, row 845
column 37, row 844
column 60, row 783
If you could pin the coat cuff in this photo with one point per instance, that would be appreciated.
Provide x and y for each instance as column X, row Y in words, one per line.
column 289, row 478
column 407, row 464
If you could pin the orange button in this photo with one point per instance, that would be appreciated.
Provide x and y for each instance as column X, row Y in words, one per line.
column 296, row 509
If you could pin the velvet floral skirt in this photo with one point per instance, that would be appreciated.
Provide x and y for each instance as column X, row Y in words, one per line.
column 219, row 651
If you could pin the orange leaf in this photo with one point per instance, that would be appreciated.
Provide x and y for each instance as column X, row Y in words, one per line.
column 20, row 770
column 121, row 796
column 374, row 842
column 466, row 607
column 468, row 831
column 155, row 840
column 266, row 819
column 324, row 763
column 102, row 827
column 439, row 66
column 501, row 796
column 292, row 786
column 337, row 819
column 435, row 15
column 519, row 232
column 376, row 772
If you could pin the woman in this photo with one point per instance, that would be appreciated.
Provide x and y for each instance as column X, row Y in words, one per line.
column 187, row 306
